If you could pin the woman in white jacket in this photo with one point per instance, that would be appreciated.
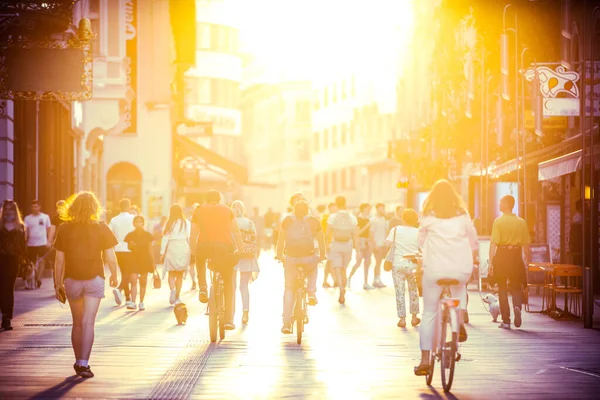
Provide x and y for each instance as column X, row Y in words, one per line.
column 449, row 245
column 175, row 250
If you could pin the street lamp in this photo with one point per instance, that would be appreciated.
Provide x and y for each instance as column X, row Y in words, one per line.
column 504, row 69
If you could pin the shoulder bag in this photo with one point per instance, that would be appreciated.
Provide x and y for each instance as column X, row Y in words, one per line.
column 389, row 258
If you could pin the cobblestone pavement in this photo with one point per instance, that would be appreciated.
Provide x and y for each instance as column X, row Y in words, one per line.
column 353, row 351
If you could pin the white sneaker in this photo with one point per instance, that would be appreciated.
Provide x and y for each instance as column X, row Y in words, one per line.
column 366, row 286
column 142, row 307
column 173, row 296
column 130, row 305
column 378, row 284
column 118, row 296
column 178, row 302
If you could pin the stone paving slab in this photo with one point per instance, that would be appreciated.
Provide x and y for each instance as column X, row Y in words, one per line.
column 348, row 352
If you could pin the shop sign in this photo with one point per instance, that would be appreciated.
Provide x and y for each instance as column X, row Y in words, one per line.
column 561, row 107
column 549, row 124
column 559, row 81
column 129, row 110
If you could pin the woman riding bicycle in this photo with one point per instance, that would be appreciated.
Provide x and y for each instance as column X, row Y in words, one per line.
column 449, row 244
column 296, row 246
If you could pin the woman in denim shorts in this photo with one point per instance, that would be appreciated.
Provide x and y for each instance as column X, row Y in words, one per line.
column 83, row 245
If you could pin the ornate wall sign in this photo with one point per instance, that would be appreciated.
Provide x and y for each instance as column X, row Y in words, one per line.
column 24, row 77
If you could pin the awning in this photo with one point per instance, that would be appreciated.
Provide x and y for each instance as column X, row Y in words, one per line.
column 559, row 166
column 188, row 147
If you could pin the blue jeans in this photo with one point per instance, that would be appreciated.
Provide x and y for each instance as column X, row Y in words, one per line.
column 291, row 275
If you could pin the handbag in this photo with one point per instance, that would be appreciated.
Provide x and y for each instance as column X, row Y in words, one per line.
column 389, row 258
column 156, row 281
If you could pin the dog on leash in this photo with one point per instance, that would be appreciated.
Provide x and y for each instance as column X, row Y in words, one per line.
column 181, row 313
column 492, row 302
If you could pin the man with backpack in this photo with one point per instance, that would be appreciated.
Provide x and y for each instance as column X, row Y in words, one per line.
column 343, row 231
column 296, row 246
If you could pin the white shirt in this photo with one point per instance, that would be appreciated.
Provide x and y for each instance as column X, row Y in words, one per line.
column 37, row 233
column 177, row 233
column 407, row 242
column 447, row 245
column 121, row 225
column 379, row 229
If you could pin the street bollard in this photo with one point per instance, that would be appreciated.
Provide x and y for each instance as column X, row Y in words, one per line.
column 588, row 299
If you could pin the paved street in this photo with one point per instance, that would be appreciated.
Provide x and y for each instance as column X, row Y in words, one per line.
column 351, row 351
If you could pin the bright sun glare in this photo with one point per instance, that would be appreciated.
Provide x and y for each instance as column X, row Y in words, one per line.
column 312, row 39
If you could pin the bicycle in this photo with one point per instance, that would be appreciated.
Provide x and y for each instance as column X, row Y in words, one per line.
column 216, row 307
column 445, row 347
column 300, row 315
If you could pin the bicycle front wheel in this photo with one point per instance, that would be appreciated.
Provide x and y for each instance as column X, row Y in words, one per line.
column 299, row 315
column 448, row 351
column 212, row 316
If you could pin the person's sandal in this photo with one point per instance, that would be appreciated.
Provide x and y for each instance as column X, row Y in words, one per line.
column 415, row 321
column 203, row 295
column 84, row 372
column 422, row 369
column 402, row 323
column 462, row 333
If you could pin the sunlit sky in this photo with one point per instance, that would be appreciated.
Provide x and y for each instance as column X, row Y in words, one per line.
column 318, row 39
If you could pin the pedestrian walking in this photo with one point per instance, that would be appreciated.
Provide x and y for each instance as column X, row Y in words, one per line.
column 342, row 228
column 13, row 251
column 83, row 244
column 332, row 209
column 449, row 244
column 142, row 262
column 248, row 265
column 404, row 239
column 259, row 224
column 175, row 250
column 192, row 268
column 38, row 231
column 510, row 239
column 364, row 251
column 379, row 231
column 121, row 225
column 397, row 218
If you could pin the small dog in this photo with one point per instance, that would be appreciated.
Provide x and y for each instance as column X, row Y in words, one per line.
column 492, row 301
column 181, row 313
column 29, row 276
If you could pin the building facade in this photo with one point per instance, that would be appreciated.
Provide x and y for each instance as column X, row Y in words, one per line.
column 126, row 151
column 277, row 116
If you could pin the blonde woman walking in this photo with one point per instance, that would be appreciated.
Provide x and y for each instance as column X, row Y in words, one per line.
column 175, row 250
column 83, row 245
column 248, row 264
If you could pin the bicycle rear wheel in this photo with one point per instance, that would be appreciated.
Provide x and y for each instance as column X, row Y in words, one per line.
column 212, row 316
column 299, row 315
column 448, row 353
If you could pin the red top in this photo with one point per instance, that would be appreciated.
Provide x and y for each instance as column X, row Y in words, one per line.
column 214, row 222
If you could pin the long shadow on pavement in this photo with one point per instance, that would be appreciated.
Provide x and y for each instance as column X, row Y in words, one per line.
column 59, row 390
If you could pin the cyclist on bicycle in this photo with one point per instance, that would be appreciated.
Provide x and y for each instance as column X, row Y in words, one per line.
column 214, row 238
column 449, row 245
column 296, row 247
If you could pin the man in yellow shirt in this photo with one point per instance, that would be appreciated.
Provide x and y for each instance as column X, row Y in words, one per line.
column 510, row 238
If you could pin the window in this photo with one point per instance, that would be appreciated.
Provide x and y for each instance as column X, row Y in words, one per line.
column 325, row 185
column 316, row 100
column 209, row 91
column 344, row 93
column 302, row 149
column 303, row 111
column 352, row 87
column 325, row 139
column 334, row 137
column 316, row 143
column 343, row 184
column 203, row 36
column 114, row 48
column 96, row 43
column 352, row 178
column 216, row 38
column 317, row 186
column 334, row 183
column 325, row 97
column 352, row 133
column 334, row 94
column 93, row 7
column 344, row 135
